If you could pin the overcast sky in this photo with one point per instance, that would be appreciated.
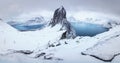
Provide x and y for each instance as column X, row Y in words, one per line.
column 13, row 8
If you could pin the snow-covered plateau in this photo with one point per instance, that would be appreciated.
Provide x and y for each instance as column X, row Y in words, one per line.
column 57, row 43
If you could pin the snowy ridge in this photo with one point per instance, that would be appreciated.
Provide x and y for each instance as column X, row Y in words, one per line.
column 8, row 41
column 32, row 21
column 5, row 26
column 36, row 20
column 105, row 22
column 32, row 24
column 107, row 48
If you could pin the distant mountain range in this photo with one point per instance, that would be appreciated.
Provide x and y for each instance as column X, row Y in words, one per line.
column 29, row 25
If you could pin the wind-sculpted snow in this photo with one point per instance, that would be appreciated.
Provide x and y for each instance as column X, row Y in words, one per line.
column 106, row 49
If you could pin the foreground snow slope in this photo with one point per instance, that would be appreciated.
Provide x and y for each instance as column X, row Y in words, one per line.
column 68, row 50
column 108, row 48
column 12, row 39
column 6, row 32
column 104, row 46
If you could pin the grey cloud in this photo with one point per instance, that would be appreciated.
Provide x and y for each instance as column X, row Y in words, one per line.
column 10, row 8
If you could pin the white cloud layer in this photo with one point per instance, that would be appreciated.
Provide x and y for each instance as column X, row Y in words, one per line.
column 14, row 8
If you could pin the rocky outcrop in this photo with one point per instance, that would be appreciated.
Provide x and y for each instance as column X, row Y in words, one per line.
column 59, row 17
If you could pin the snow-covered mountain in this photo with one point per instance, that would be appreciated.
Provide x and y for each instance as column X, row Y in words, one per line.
column 59, row 17
column 36, row 20
column 72, row 19
column 46, row 45
column 35, row 23
column 12, row 39
column 105, row 22
column 32, row 21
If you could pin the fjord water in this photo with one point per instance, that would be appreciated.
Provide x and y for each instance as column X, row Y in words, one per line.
column 87, row 29
column 28, row 27
column 81, row 28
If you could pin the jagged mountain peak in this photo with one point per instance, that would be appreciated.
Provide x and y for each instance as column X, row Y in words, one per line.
column 59, row 17
column 61, row 10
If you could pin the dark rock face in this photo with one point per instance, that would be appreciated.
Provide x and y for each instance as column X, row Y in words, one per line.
column 59, row 17
column 23, row 51
column 39, row 55
column 105, row 60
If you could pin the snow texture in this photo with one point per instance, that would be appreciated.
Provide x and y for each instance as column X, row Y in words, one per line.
column 46, row 45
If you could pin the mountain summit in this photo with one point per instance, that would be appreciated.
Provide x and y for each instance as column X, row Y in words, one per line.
column 59, row 17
